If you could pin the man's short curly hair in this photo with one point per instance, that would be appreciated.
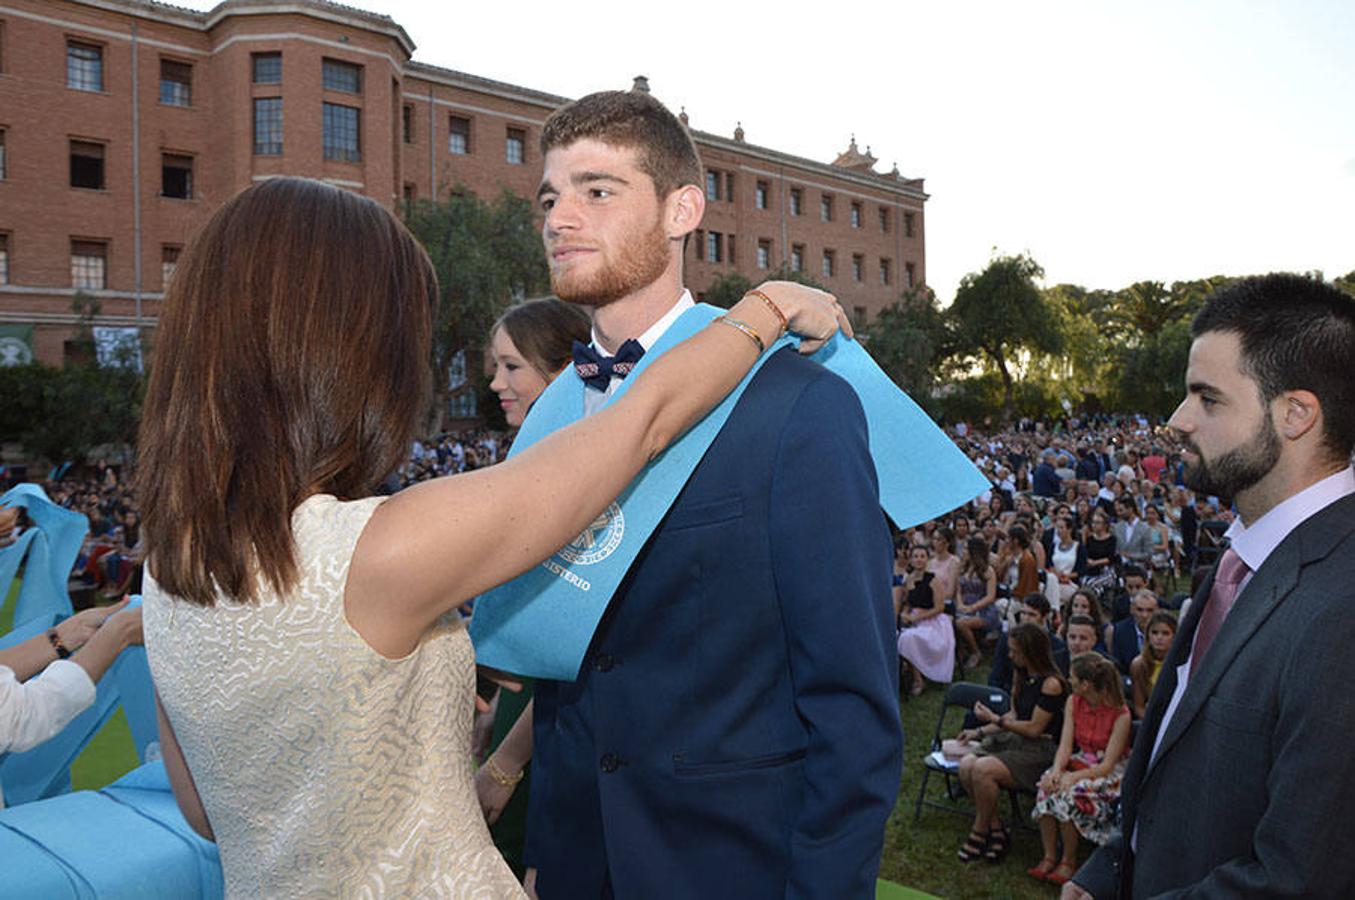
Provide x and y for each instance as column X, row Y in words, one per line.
column 632, row 120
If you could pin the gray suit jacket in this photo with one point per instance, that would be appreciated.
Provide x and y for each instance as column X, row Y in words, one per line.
column 1252, row 788
column 1135, row 544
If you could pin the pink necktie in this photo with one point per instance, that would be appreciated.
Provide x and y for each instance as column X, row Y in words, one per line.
column 1229, row 576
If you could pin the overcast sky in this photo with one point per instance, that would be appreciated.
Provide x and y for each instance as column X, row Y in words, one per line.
column 1115, row 142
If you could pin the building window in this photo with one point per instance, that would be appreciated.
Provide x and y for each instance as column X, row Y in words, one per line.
column 458, row 136
column 2, row 46
column 176, row 83
column 729, row 188
column 4, row 259
column 829, row 263
column 856, row 215
column 176, row 176
column 87, row 165
column 714, row 246
column 341, row 139
column 267, row 126
column 515, row 150
column 409, row 195
column 2, row 154
column 907, row 224
column 336, row 75
column 169, row 261
column 700, row 244
column 884, row 218
column 858, row 267
column 267, row 68
column 859, row 316
column 729, row 248
column 826, row 208
column 796, row 201
column 89, row 265
column 797, row 257
column 84, row 66
column 764, row 254
column 712, row 185
column 909, row 273
column 407, row 123
column 884, row 271
column 760, row 195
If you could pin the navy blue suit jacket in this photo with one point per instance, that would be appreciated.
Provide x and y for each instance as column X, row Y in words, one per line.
column 1124, row 644
column 734, row 731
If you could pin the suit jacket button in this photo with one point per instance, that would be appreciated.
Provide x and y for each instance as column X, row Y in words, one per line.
column 604, row 662
column 609, row 762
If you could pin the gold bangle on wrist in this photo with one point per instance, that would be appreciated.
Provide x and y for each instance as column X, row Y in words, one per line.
column 746, row 329
column 781, row 317
column 500, row 775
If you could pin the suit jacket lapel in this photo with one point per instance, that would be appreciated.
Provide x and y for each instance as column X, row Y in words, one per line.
column 1267, row 588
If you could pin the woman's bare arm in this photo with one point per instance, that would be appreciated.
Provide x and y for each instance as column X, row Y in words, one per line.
column 439, row 543
column 180, row 779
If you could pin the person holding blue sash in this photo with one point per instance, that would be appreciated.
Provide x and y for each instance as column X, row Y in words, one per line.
column 315, row 685
column 733, row 729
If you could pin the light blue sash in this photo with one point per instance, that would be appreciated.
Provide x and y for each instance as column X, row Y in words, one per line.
column 51, row 547
column 541, row 623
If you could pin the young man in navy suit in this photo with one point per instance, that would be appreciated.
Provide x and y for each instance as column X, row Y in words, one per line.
column 734, row 729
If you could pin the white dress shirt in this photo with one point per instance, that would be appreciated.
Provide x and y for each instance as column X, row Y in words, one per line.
column 37, row 709
column 594, row 399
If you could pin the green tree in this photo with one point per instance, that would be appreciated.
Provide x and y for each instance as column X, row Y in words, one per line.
column 1346, row 282
column 486, row 254
column 906, row 340
column 1152, row 373
column 728, row 288
column 999, row 315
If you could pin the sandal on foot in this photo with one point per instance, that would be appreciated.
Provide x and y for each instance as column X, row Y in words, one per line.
column 973, row 847
column 999, row 842
column 1041, row 870
column 1062, row 874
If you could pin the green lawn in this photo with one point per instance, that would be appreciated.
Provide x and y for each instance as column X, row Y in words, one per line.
column 922, row 854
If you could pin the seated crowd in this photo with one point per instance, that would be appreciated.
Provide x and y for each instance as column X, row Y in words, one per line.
column 1067, row 572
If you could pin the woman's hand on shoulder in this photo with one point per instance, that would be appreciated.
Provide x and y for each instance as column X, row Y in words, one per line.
column 813, row 314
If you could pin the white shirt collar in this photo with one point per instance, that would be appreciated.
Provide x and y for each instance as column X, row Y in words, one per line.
column 1255, row 542
column 655, row 331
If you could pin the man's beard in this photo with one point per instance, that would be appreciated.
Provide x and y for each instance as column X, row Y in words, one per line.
column 1238, row 469
column 639, row 264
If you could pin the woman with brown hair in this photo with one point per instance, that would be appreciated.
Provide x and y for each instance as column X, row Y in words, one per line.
column 316, row 686
column 1014, row 747
column 530, row 345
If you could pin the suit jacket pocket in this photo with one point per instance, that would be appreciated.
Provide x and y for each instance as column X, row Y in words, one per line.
column 713, row 512
column 725, row 767
column 1238, row 716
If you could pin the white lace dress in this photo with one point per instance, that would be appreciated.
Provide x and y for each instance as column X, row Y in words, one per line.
column 325, row 769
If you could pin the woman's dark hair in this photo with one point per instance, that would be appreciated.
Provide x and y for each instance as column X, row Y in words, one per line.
column 1161, row 617
column 1020, row 536
column 1033, row 642
column 1093, row 604
column 292, row 358
column 1297, row 333
column 544, row 332
column 976, row 561
column 1102, row 675
column 945, row 533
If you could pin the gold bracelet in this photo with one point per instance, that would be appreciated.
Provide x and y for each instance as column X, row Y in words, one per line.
column 746, row 329
column 785, row 325
column 500, row 775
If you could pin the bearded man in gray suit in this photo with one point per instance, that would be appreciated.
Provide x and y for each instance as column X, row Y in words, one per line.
column 1242, row 777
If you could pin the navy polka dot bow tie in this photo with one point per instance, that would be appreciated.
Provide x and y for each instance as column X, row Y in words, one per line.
column 597, row 370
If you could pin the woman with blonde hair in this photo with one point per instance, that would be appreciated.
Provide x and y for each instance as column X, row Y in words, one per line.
column 316, row 686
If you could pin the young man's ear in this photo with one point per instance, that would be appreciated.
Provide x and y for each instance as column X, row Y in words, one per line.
column 683, row 210
column 1298, row 412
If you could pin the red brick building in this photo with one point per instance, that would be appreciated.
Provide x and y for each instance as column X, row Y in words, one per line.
column 123, row 123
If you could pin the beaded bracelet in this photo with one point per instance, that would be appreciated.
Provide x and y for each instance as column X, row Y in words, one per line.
column 746, row 329
column 500, row 776
column 781, row 317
